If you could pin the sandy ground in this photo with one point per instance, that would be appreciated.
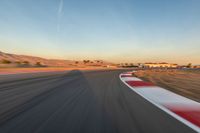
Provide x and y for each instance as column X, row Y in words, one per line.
column 44, row 69
column 183, row 82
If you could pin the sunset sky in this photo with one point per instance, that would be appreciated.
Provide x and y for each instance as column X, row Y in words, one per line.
column 112, row 30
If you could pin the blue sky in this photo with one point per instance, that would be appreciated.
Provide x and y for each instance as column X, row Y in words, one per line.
column 113, row 30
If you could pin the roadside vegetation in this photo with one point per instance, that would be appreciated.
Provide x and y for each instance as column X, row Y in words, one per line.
column 6, row 61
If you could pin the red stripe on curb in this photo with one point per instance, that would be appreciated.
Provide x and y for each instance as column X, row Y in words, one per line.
column 139, row 83
column 190, row 115
column 126, row 76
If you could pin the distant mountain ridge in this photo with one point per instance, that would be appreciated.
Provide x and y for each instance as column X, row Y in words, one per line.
column 32, row 60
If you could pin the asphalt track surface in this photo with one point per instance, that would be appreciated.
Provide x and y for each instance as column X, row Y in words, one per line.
column 78, row 102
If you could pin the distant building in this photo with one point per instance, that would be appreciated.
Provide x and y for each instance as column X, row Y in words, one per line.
column 131, row 65
column 160, row 65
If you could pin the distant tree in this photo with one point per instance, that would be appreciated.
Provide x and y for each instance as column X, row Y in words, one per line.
column 76, row 62
column 26, row 62
column 189, row 65
column 4, row 61
column 38, row 64
column 18, row 62
column 86, row 61
column 131, row 64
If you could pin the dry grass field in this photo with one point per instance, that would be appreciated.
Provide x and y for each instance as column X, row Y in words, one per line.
column 46, row 69
column 183, row 82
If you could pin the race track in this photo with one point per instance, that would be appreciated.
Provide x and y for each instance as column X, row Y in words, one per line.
column 78, row 102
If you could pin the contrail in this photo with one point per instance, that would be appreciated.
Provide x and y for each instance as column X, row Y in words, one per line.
column 59, row 15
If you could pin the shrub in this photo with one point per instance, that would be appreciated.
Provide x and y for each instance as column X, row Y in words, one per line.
column 6, row 61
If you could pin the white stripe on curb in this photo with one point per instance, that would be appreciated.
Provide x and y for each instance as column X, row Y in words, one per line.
column 131, row 79
column 163, row 96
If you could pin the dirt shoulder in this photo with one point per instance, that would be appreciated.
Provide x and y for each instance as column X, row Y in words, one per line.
column 183, row 82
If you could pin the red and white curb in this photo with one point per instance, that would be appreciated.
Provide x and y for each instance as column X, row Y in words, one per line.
column 183, row 109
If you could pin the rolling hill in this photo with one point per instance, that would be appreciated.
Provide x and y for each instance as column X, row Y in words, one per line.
column 7, row 59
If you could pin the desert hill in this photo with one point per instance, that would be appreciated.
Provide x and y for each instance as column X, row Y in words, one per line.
column 7, row 59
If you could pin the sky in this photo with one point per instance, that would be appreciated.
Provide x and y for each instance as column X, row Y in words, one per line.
column 112, row 30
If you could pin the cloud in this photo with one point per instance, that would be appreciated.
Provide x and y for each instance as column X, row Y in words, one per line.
column 59, row 15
